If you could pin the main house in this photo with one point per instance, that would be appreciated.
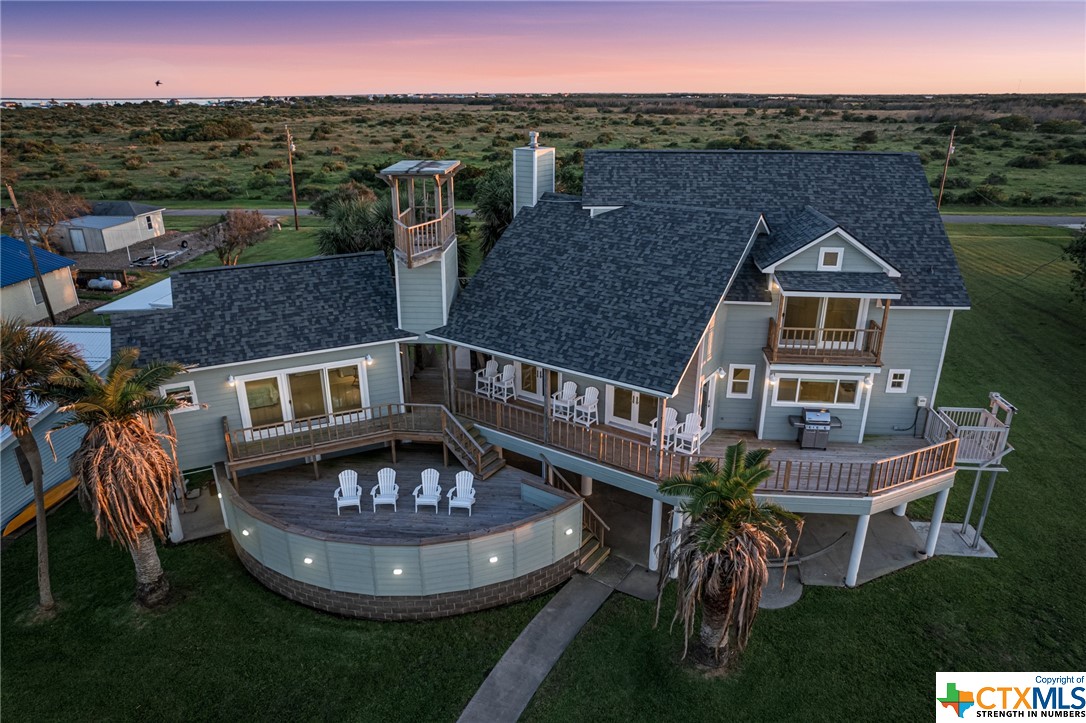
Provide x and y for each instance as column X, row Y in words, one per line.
column 684, row 301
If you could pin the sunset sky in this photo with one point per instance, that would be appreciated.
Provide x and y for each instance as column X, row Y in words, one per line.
column 199, row 49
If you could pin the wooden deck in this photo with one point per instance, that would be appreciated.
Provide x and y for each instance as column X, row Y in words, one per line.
column 293, row 496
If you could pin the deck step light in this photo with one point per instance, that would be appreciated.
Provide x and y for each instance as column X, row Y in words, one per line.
column 569, row 531
column 308, row 560
column 397, row 571
column 493, row 559
column 245, row 532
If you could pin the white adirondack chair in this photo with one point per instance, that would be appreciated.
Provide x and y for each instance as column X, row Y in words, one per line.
column 504, row 385
column 563, row 401
column 386, row 491
column 586, row 408
column 463, row 494
column 688, row 435
column 428, row 494
column 671, row 424
column 349, row 493
column 484, row 378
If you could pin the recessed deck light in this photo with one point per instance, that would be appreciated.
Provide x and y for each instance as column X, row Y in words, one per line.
column 397, row 571
column 493, row 559
column 308, row 560
column 245, row 532
column 569, row 531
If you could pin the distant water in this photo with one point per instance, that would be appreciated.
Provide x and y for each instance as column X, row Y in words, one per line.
column 41, row 102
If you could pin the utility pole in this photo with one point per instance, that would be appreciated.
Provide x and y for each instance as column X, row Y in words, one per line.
column 946, row 167
column 290, row 163
column 33, row 256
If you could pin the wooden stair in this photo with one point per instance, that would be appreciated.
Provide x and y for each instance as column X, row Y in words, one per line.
column 592, row 554
column 491, row 460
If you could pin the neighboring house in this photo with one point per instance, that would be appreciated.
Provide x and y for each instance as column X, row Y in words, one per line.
column 732, row 290
column 20, row 294
column 16, row 494
column 111, row 226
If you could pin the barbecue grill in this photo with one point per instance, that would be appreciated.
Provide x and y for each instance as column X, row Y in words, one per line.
column 814, row 427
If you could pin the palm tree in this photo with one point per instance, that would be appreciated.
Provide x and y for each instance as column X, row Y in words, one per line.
column 720, row 555
column 358, row 225
column 125, row 467
column 493, row 206
column 29, row 358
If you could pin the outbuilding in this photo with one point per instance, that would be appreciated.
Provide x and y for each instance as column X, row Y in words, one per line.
column 113, row 225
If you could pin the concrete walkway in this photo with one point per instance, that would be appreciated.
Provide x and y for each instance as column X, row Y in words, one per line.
column 506, row 692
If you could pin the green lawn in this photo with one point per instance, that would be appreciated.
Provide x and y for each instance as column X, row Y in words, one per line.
column 280, row 245
column 188, row 223
column 232, row 649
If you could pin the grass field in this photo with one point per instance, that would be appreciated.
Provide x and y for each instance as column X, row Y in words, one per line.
column 230, row 649
column 136, row 152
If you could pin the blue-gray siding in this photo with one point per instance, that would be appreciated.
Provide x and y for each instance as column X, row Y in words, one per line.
column 854, row 260
column 199, row 432
column 14, row 493
column 740, row 335
column 421, row 293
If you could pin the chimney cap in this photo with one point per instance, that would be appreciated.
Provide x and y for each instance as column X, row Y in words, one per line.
column 533, row 139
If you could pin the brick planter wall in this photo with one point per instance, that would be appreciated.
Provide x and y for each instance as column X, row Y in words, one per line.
column 418, row 607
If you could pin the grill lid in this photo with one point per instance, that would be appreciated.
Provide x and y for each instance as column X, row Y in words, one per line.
column 816, row 416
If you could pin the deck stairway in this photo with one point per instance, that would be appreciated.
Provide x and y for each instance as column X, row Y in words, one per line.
column 593, row 552
column 490, row 461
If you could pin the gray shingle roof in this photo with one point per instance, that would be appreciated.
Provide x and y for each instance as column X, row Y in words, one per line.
column 881, row 199
column 793, row 234
column 242, row 313
column 122, row 208
column 624, row 296
column 837, row 282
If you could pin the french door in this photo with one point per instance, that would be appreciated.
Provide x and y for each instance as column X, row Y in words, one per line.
column 830, row 323
column 627, row 408
column 294, row 400
column 707, row 404
column 530, row 381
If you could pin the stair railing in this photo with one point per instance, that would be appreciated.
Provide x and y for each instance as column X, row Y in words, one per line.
column 590, row 519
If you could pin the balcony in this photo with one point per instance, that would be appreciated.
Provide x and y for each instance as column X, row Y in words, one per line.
column 417, row 243
column 823, row 345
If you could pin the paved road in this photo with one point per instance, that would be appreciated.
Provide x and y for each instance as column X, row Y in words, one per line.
column 220, row 211
column 1015, row 220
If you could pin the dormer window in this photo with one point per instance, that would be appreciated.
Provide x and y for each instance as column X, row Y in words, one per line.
column 829, row 259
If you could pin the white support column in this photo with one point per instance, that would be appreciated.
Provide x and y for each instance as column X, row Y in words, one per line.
column 656, row 522
column 586, row 486
column 176, row 533
column 677, row 521
column 857, row 550
column 936, row 522
column 900, row 509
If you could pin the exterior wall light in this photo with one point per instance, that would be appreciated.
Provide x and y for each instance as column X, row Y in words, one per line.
column 868, row 382
column 397, row 571
column 772, row 378
column 493, row 559
column 245, row 532
column 368, row 359
column 231, row 381
column 720, row 373
column 569, row 530
column 308, row 560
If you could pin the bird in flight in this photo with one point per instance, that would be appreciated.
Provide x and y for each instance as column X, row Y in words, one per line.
column 158, row 82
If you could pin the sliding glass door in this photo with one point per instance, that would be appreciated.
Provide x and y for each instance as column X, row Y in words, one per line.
column 294, row 399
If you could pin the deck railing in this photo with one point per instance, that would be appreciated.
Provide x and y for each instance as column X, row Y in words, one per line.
column 296, row 438
column 591, row 520
column 824, row 343
column 638, row 457
column 982, row 436
column 414, row 241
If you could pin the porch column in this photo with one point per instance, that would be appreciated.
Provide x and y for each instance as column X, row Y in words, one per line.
column 857, row 550
column 654, row 534
column 900, row 509
column 936, row 522
column 176, row 533
column 661, row 413
column 586, row 486
column 547, row 391
column 677, row 521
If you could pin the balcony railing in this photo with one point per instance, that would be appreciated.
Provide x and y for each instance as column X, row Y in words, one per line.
column 824, row 345
column 417, row 242
column 790, row 476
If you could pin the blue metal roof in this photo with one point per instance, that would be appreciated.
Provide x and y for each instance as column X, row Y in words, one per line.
column 15, row 263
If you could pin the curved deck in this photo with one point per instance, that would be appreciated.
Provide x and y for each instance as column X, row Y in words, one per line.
column 521, row 539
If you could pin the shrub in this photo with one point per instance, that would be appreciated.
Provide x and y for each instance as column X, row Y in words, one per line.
column 1014, row 123
column 1060, row 127
column 868, row 137
column 995, row 179
column 243, row 149
column 1033, row 160
column 133, row 162
column 1077, row 158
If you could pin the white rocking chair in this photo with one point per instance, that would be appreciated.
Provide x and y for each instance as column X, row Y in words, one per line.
column 484, row 378
column 428, row 494
column 386, row 491
column 671, row 424
column 688, row 435
column 586, row 408
column 504, row 385
column 563, row 401
column 463, row 494
column 349, row 493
